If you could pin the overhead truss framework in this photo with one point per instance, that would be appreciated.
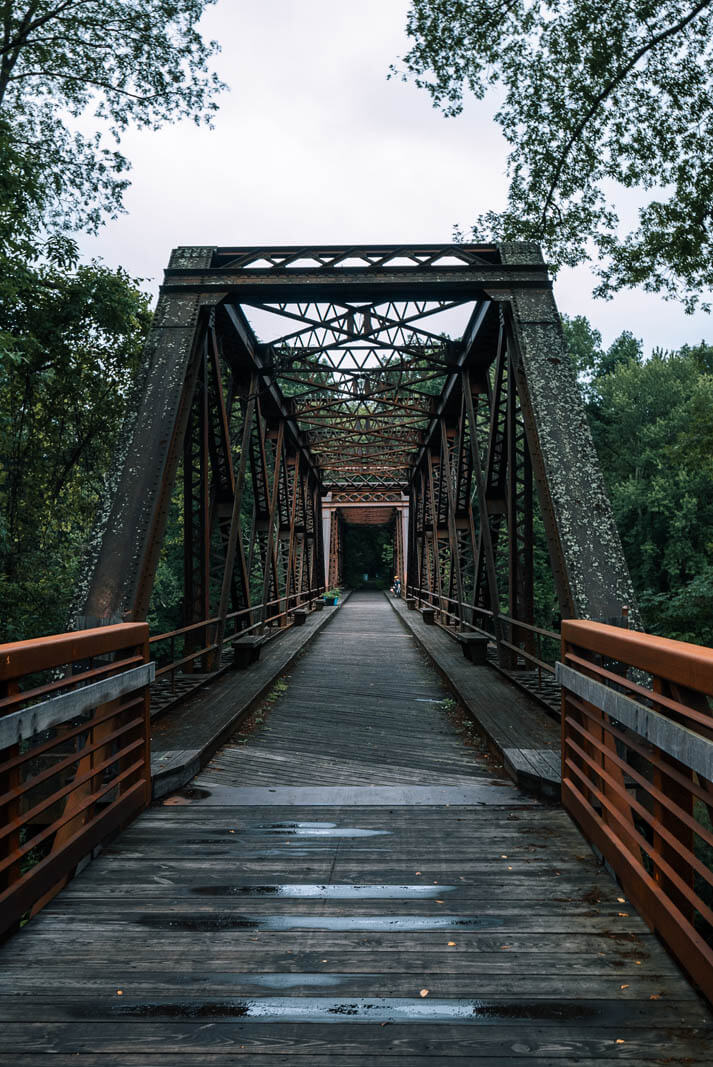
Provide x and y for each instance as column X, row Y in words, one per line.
column 430, row 378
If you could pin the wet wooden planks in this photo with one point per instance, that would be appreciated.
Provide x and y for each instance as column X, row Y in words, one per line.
column 362, row 706
column 516, row 726
column 184, row 738
column 347, row 933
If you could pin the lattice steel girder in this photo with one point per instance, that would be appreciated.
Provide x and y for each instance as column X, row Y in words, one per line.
column 585, row 548
column 374, row 272
column 126, row 541
column 361, row 286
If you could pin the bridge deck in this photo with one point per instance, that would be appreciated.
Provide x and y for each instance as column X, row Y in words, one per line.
column 350, row 884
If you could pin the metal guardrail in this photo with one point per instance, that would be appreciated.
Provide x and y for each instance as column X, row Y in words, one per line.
column 521, row 646
column 191, row 652
column 637, row 773
column 75, row 762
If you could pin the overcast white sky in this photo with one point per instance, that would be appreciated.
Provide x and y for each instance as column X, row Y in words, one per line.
column 313, row 144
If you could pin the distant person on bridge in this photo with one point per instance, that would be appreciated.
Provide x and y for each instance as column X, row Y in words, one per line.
column 396, row 587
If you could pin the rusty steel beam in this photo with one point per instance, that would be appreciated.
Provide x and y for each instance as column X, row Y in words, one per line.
column 377, row 406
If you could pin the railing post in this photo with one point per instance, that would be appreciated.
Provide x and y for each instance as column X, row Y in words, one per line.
column 147, row 723
column 87, row 728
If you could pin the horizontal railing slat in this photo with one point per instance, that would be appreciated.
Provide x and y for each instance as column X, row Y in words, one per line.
column 685, row 745
column 20, row 896
column 24, row 724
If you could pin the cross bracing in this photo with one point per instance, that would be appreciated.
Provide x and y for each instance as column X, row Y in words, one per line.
column 281, row 381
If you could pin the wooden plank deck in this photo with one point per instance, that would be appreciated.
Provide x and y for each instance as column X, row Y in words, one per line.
column 351, row 884
column 517, row 727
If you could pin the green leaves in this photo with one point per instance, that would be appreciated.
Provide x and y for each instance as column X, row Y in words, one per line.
column 73, row 78
column 652, row 422
column 71, row 344
column 596, row 98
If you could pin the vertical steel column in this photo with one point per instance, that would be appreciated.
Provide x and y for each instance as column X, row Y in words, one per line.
column 520, row 524
column 196, row 513
column 271, row 589
column 234, row 540
column 486, row 538
column 327, row 522
column 435, row 543
column 335, row 551
column 455, row 579
column 398, row 560
column 404, row 518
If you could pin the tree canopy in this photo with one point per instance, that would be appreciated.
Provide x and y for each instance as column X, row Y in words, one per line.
column 595, row 99
column 72, row 346
column 652, row 421
column 74, row 74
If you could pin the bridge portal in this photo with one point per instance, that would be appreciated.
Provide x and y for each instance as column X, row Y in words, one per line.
column 283, row 386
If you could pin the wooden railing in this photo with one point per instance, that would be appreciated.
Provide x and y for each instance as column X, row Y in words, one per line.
column 75, row 760
column 637, row 767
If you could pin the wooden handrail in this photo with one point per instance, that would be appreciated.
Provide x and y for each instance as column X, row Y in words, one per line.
column 677, row 661
column 637, row 774
column 91, row 732
column 19, row 658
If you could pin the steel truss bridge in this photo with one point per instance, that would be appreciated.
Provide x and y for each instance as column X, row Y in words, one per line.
column 308, row 374
column 287, row 393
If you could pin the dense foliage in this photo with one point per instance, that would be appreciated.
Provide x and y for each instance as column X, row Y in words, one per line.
column 70, row 345
column 652, row 422
column 73, row 76
column 595, row 99
column 368, row 550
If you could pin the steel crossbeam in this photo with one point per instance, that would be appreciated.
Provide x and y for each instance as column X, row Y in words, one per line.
column 282, row 382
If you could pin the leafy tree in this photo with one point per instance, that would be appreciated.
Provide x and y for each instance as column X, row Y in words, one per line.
column 69, row 349
column 63, row 62
column 74, row 75
column 652, row 422
column 584, row 344
column 593, row 98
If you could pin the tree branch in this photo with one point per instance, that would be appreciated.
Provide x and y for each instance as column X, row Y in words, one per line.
column 607, row 91
column 91, row 81
column 27, row 26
